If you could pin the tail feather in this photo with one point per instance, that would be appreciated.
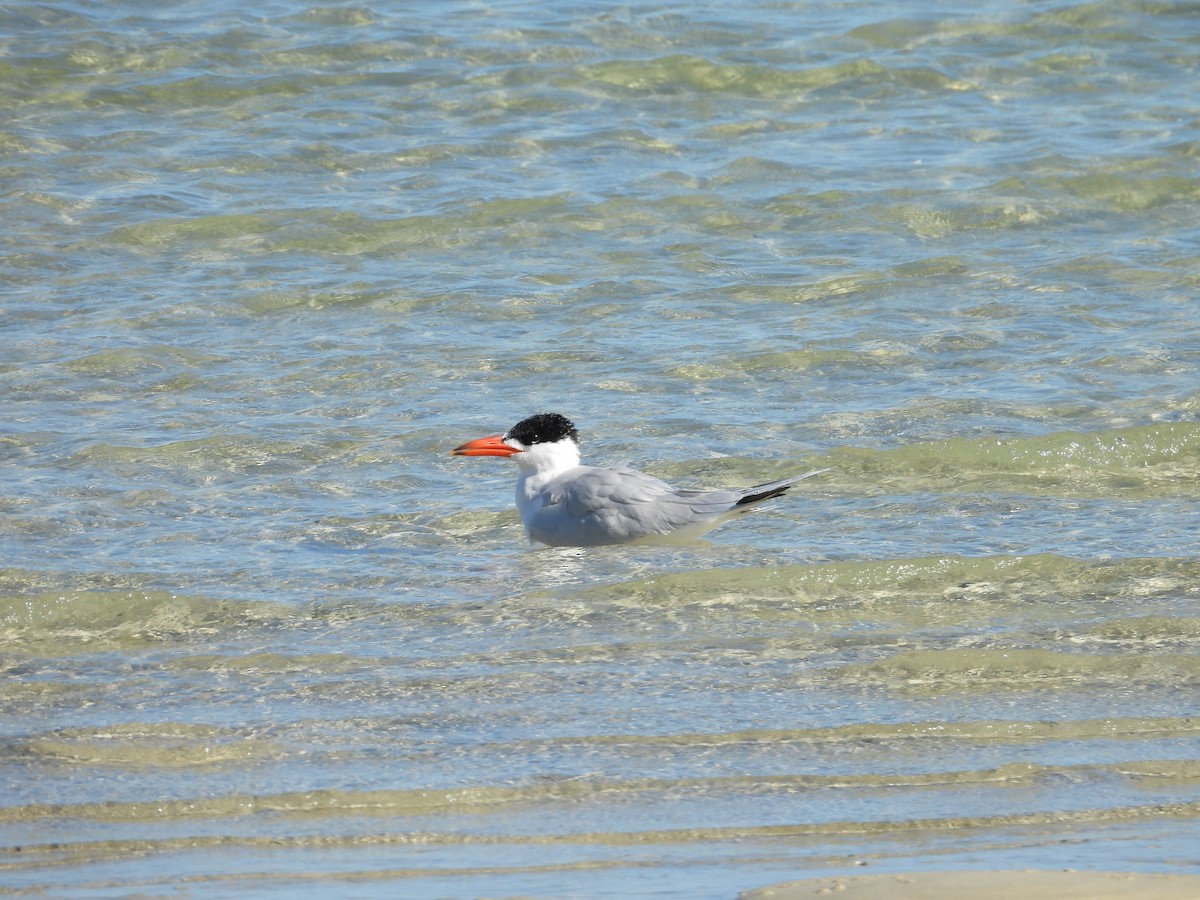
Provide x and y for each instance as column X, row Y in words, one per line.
column 772, row 489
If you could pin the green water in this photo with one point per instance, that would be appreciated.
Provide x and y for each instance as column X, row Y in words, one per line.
column 263, row 269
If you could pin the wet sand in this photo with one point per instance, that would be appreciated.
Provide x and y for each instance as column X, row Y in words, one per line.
column 1061, row 885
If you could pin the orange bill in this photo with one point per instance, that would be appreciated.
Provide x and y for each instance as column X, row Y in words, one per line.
column 488, row 446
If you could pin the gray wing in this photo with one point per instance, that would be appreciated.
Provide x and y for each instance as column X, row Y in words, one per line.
column 588, row 506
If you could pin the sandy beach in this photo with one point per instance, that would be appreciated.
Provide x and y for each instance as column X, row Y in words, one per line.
column 1061, row 885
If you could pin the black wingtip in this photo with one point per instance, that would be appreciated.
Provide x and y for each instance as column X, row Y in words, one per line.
column 761, row 492
column 768, row 494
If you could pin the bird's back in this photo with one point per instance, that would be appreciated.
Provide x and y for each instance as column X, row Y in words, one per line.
column 593, row 505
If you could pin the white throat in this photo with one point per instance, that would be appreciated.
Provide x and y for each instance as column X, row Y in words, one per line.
column 540, row 463
column 549, row 458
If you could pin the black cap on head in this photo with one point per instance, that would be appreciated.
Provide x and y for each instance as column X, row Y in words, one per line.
column 544, row 428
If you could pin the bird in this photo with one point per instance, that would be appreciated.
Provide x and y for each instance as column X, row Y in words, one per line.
column 565, row 504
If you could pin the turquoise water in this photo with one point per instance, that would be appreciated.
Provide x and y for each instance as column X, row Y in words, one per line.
column 264, row 267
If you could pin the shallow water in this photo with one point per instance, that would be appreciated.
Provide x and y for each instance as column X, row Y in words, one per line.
column 263, row 268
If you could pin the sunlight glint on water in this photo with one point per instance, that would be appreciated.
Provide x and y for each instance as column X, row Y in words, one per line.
column 264, row 268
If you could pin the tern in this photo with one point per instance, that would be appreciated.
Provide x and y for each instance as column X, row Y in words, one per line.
column 565, row 504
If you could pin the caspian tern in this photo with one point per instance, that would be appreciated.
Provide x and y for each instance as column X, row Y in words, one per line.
column 565, row 504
